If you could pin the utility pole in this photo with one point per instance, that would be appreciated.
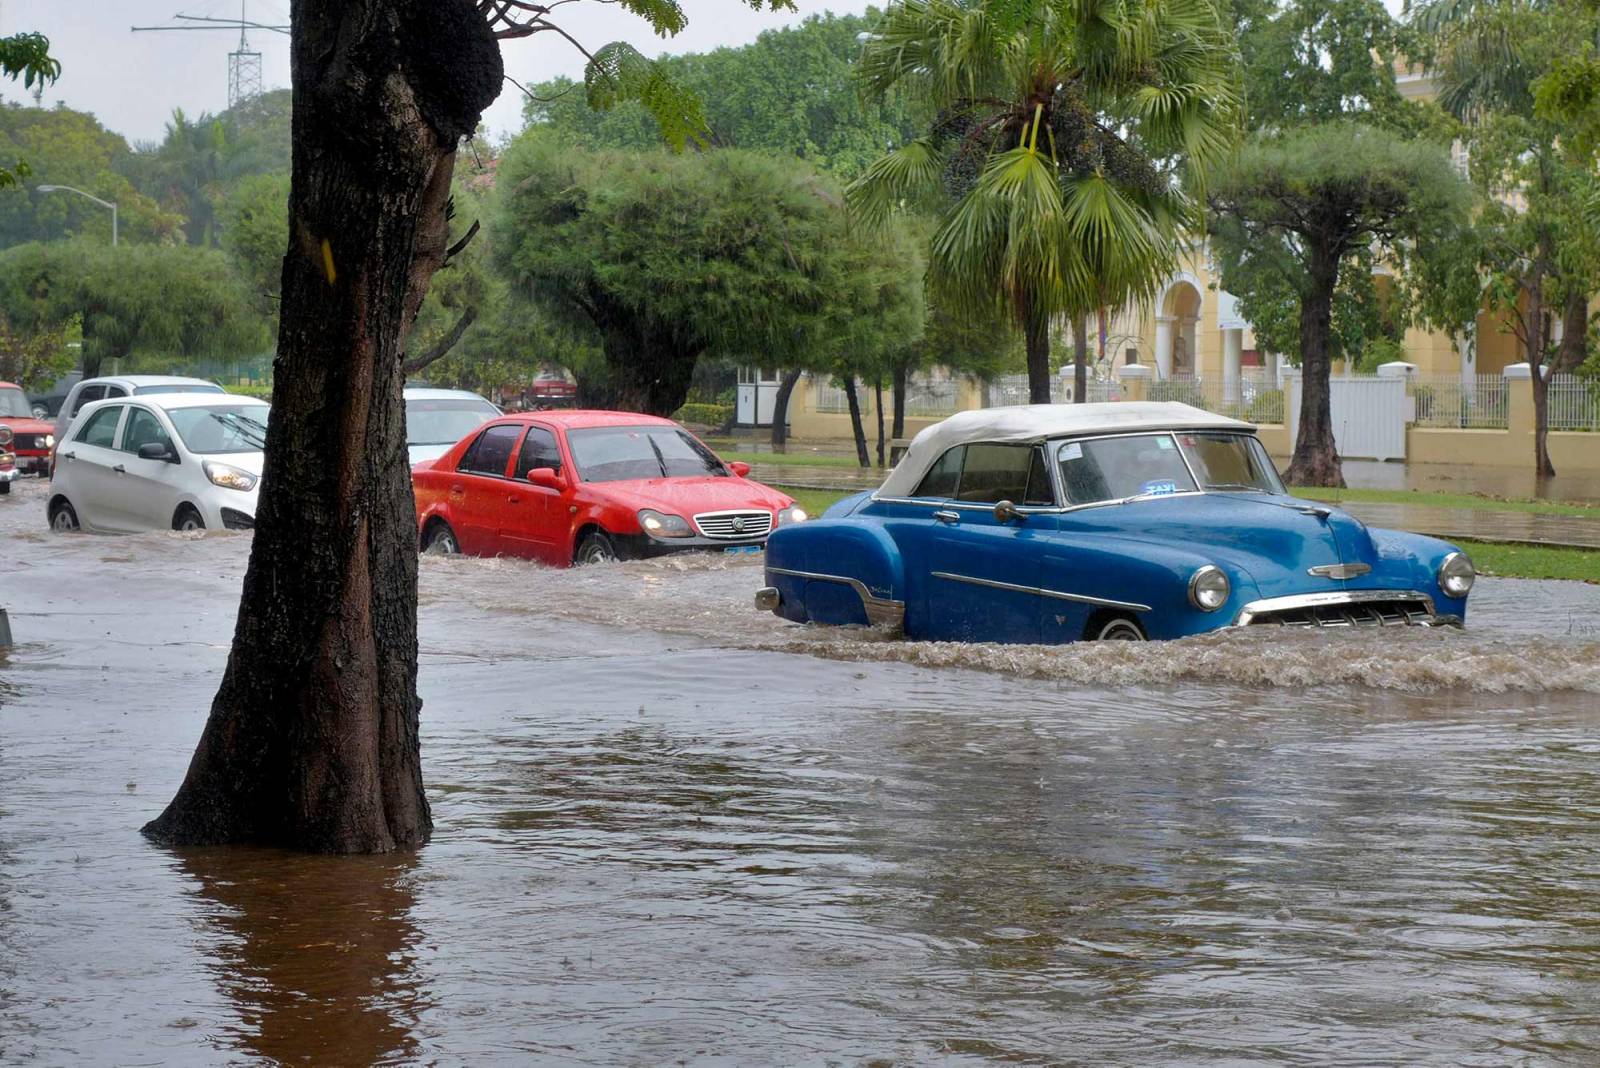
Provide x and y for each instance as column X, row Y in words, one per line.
column 244, row 62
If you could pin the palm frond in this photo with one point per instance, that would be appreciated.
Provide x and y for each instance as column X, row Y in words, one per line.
column 908, row 175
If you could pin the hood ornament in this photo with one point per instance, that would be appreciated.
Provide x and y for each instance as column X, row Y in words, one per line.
column 1339, row 571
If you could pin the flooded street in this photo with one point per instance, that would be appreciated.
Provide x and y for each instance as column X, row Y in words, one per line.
column 671, row 829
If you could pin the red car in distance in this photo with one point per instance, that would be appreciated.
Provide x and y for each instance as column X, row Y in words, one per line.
column 579, row 487
column 31, row 439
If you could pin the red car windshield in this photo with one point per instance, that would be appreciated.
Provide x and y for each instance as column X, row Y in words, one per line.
column 620, row 453
column 14, row 405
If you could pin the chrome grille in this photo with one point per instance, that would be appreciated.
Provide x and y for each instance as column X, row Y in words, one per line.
column 30, row 441
column 1397, row 613
column 734, row 526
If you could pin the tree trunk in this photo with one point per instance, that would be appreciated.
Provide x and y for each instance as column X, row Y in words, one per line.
column 1080, row 359
column 1542, row 467
column 1036, row 336
column 780, row 408
column 1574, row 335
column 1316, row 458
column 901, row 373
column 312, row 741
column 877, row 399
column 855, row 421
column 649, row 374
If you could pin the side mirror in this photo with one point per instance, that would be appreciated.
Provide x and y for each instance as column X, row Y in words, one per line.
column 157, row 450
column 1006, row 512
column 546, row 477
column 739, row 468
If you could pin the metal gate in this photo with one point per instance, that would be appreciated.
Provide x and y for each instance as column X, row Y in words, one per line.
column 1369, row 416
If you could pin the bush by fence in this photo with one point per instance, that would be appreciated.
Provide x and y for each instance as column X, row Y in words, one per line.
column 704, row 414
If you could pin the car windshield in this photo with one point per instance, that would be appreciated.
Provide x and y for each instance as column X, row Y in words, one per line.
column 1110, row 469
column 222, row 428
column 14, row 404
column 445, row 422
column 1229, row 462
column 617, row 453
column 180, row 387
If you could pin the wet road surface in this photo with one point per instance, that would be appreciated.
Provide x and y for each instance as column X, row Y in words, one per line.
column 673, row 830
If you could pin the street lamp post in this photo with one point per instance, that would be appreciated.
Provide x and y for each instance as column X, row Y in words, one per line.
column 90, row 196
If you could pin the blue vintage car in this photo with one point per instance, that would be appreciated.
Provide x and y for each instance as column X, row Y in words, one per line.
column 1055, row 523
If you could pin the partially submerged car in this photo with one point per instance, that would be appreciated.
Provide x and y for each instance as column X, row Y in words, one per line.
column 30, row 439
column 1125, row 520
column 580, row 487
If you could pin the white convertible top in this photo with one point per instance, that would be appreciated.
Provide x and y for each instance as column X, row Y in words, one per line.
column 1035, row 422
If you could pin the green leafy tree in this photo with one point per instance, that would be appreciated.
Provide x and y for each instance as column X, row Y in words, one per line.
column 668, row 258
column 1065, row 138
column 170, row 303
column 1537, row 235
column 26, row 56
column 1302, row 208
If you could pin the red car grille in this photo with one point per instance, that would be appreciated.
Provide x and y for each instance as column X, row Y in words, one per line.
column 734, row 526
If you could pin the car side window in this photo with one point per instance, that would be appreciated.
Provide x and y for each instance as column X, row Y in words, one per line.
column 143, row 428
column 994, row 473
column 87, row 394
column 490, row 453
column 944, row 476
column 1040, row 493
column 115, row 391
column 538, row 450
column 101, row 428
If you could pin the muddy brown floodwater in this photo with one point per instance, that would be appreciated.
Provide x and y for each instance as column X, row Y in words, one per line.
column 672, row 830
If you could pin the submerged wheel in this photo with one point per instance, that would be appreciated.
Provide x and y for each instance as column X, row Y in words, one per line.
column 440, row 540
column 1116, row 629
column 187, row 518
column 595, row 548
column 62, row 518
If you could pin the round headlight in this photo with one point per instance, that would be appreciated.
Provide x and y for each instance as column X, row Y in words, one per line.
column 792, row 514
column 5, row 435
column 1209, row 588
column 1456, row 575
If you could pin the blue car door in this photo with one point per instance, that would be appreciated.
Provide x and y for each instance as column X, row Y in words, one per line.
column 983, row 572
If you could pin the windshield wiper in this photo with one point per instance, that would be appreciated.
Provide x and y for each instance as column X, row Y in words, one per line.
column 249, row 431
column 661, row 461
column 1234, row 486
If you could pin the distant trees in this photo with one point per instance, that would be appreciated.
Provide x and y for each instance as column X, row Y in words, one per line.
column 167, row 301
column 666, row 258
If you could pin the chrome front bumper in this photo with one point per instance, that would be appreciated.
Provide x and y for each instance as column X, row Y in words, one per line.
column 1346, row 608
column 880, row 611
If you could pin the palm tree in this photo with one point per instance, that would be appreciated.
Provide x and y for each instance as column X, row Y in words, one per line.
column 1069, row 139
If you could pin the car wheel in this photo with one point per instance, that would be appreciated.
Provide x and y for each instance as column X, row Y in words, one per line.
column 62, row 518
column 188, row 519
column 595, row 548
column 1117, row 629
column 441, row 540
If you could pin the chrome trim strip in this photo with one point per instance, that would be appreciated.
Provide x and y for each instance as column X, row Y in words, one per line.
column 1318, row 600
column 1339, row 571
column 1040, row 591
column 880, row 610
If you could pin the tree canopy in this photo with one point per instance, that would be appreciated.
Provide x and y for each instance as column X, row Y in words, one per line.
column 664, row 258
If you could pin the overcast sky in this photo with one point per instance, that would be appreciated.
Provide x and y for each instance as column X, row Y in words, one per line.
column 132, row 81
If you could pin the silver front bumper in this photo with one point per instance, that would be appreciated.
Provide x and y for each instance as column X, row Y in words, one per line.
column 1346, row 608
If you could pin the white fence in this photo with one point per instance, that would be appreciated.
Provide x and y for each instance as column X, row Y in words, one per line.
column 1574, row 403
column 1255, row 398
column 1479, row 402
column 925, row 398
column 1369, row 416
column 1007, row 390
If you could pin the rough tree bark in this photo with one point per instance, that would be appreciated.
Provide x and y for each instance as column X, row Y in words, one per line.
column 1536, row 340
column 901, row 373
column 1036, row 337
column 312, row 739
column 855, row 421
column 1080, row 359
column 1316, row 458
column 780, row 408
column 648, row 372
column 877, row 399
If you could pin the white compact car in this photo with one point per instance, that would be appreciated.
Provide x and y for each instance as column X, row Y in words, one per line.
column 185, row 461
column 438, row 418
column 110, row 387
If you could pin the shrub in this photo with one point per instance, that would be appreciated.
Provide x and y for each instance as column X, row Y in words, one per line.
column 705, row 414
column 263, row 392
column 1267, row 407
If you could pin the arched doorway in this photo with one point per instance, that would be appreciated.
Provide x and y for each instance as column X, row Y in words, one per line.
column 1178, row 311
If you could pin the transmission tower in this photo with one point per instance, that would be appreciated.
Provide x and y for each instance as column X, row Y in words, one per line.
column 244, row 62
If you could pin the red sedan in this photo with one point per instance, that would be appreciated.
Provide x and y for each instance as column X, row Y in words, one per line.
column 31, row 439
column 579, row 487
